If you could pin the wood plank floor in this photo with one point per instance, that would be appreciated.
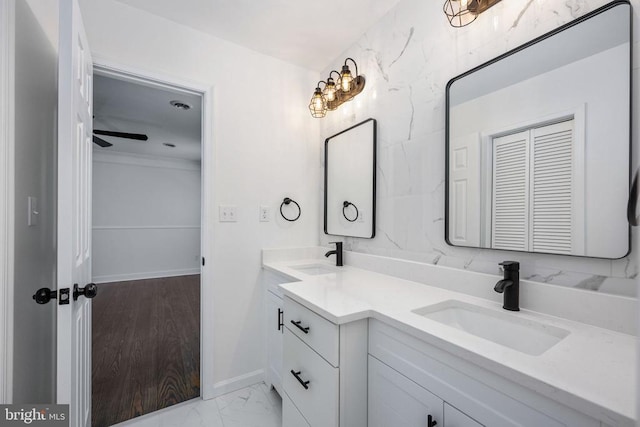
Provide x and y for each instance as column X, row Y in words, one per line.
column 146, row 347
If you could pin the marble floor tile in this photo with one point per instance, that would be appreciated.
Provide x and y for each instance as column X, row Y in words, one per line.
column 254, row 406
column 271, row 394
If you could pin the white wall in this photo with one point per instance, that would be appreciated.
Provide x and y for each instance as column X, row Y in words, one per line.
column 46, row 12
column 266, row 147
column 408, row 57
column 34, row 254
column 146, row 217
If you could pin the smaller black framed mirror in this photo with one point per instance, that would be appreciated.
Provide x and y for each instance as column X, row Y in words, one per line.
column 350, row 181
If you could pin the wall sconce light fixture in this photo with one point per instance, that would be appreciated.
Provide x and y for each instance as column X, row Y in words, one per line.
column 336, row 92
column 318, row 104
column 463, row 12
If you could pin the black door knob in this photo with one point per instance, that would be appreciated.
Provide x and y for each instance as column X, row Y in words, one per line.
column 89, row 291
column 44, row 295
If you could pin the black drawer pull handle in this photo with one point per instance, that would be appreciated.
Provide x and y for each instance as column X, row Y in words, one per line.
column 297, row 325
column 305, row 384
column 280, row 324
column 431, row 422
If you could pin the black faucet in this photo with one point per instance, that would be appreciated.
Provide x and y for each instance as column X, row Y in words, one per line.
column 337, row 252
column 510, row 285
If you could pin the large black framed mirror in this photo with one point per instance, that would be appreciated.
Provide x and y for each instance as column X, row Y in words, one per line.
column 538, row 143
column 350, row 181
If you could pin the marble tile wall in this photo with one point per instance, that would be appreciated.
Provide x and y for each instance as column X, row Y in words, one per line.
column 408, row 57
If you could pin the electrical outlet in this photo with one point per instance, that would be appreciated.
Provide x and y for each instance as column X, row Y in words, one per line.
column 228, row 213
column 265, row 213
column 361, row 217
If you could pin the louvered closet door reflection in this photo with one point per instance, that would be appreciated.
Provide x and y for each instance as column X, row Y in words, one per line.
column 510, row 204
column 552, row 188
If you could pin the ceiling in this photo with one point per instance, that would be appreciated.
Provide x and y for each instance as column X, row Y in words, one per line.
column 308, row 33
column 124, row 106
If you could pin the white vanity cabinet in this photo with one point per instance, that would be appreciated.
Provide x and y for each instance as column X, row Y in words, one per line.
column 324, row 369
column 395, row 400
column 274, row 327
column 410, row 379
column 360, row 348
column 275, row 331
column 290, row 414
column 455, row 418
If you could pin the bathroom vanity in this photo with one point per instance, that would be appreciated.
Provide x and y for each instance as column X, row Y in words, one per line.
column 363, row 348
column 333, row 358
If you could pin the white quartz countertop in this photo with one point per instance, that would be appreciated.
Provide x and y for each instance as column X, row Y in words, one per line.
column 592, row 370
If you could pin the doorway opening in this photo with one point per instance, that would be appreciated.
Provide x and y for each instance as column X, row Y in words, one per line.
column 147, row 190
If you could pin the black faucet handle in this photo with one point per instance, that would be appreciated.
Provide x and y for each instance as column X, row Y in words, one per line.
column 337, row 252
column 510, row 265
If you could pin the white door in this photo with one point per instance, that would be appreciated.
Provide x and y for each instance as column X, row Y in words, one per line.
column 510, row 192
column 75, row 93
column 464, row 191
column 553, row 198
column 395, row 400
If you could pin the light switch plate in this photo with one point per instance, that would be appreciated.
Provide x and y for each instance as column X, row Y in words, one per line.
column 264, row 213
column 33, row 213
column 228, row 213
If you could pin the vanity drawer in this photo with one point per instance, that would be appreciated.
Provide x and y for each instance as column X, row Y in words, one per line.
column 314, row 330
column 318, row 403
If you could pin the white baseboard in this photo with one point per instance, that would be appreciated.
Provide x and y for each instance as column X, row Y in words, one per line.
column 233, row 384
column 145, row 275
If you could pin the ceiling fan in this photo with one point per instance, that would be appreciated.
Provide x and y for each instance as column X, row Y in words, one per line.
column 104, row 144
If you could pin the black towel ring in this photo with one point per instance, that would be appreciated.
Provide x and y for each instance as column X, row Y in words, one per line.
column 287, row 201
column 632, row 204
column 345, row 205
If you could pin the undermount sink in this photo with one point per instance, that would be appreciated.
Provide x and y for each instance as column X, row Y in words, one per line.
column 507, row 329
column 314, row 269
